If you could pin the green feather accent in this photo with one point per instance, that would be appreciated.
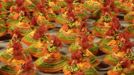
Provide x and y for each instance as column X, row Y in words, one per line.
column 61, row 35
column 91, row 71
column 40, row 62
column 8, row 70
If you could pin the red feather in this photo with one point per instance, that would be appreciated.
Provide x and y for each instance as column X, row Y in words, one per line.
column 28, row 65
column 0, row 5
column 76, row 55
column 33, row 21
column 20, row 8
column 105, row 10
column 127, row 45
column 17, row 47
column 19, row 2
column 115, row 24
column 17, row 50
column 110, row 32
column 17, row 33
column 126, row 63
column 84, row 42
column 40, row 32
column 70, row 13
column 70, row 6
column 40, row 7
column 57, row 41
column 124, row 35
